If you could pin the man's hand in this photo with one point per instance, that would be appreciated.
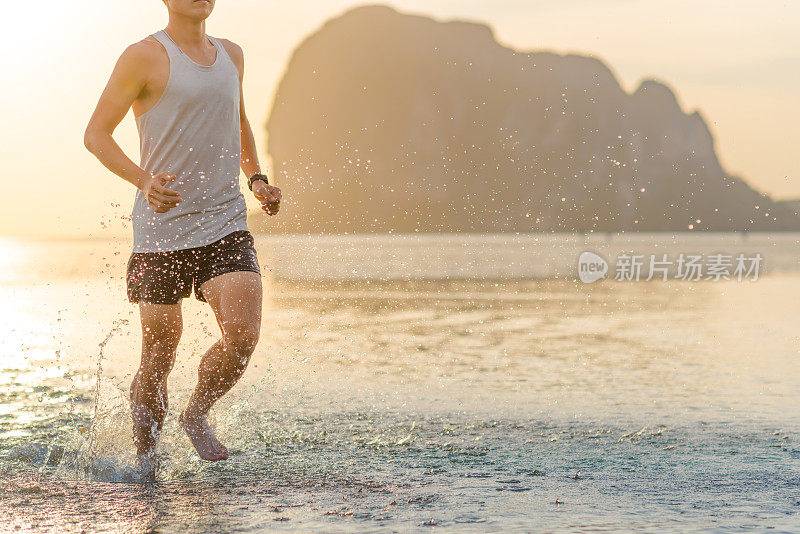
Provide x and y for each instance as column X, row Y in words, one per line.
column 269, row 195
column 158, row 196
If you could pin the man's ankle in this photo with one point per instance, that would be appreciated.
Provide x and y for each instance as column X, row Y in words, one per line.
column 193, row 414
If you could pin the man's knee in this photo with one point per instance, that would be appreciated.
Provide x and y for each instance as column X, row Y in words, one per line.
column 164, row 334
column 159, row 344
column 241, row 337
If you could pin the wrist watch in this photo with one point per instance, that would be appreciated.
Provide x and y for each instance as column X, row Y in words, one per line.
column 256, row 176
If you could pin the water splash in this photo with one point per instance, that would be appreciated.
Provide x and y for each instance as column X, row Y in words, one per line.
column 93, row 430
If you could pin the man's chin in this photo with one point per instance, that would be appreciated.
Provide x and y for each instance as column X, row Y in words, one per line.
column 202, row 8
column 201, row 12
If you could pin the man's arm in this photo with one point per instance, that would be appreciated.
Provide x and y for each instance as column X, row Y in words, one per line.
column 250, row 165
column 125, row 84
column 269, row 195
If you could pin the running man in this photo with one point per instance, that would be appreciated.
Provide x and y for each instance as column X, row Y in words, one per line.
column 189, row 216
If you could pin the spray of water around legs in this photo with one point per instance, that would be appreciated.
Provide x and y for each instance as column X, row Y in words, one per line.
column 96, row 417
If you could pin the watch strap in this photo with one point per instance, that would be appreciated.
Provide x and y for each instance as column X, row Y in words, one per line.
column 256, row 176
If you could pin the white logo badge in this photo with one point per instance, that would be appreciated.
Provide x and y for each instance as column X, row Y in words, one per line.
column 591, row 267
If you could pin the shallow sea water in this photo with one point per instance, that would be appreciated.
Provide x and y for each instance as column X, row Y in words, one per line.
column 479, row 405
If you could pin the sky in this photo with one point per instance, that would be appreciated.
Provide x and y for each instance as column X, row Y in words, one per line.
column 737, row 62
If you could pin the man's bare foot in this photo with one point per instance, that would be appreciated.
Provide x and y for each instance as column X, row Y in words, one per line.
column 203, row 438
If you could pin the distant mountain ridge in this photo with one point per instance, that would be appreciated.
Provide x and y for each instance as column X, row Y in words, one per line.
column 389, row 122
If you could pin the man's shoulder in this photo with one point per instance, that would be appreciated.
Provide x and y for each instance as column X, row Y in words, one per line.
column 144, row 50
column 233, row 49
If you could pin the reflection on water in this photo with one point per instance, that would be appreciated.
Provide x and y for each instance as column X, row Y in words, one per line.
column 477, row 404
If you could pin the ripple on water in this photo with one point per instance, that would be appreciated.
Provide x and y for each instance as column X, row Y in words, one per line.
column 361, row 469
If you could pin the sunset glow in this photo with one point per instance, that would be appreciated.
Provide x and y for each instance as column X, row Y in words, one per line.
column 741, row 77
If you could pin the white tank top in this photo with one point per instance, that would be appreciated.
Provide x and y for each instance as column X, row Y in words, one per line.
column 193, row 132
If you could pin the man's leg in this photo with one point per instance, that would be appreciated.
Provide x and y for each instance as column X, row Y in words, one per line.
column 235, row 298
column 162, row 325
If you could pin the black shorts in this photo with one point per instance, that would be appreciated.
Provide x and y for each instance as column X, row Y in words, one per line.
column 167, row 277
